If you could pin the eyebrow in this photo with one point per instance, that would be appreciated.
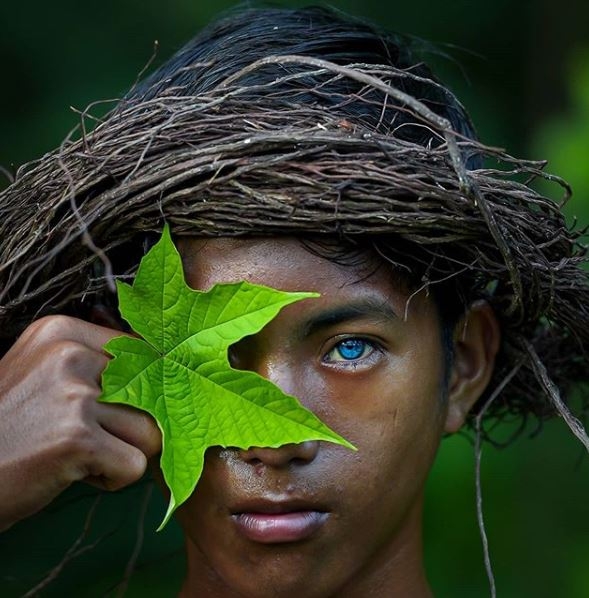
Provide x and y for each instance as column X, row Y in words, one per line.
column 368, row 308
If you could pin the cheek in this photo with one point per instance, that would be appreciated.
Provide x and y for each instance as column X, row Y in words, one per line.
column 396, row 422
column 395, row 405
column 200, row 516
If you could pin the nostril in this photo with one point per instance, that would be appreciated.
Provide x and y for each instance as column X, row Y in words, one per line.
column 282, row 456
column 251, row 457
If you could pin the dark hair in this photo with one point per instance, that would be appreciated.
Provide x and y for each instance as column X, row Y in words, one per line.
column 227, row 46
column 306, row 122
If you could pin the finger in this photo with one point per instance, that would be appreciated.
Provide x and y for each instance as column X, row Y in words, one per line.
column 64, row 328
column 117, row 464
column 131, row 425
column 93, row 368
column 89, row 365
column 67, row 359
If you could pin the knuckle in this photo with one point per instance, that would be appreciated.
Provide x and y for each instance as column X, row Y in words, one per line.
column 77, row 440
column 78, row 431
column 49, row 327
column 78, row 424
column 70, row 355
column 65, row 350
column 82, row 395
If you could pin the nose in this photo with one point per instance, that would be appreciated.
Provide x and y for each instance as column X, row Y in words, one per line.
column 257, row 353
column 283, row 456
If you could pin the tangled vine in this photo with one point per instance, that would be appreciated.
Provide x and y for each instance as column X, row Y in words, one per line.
column 250, row 157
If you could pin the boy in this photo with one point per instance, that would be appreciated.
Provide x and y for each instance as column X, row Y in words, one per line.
column 304, row 151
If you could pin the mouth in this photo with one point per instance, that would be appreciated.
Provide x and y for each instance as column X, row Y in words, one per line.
column 269, row 522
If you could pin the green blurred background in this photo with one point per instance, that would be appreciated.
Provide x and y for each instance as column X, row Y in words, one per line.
column 522, row 70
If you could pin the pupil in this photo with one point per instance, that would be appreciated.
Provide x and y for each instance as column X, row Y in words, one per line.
column 351, row 349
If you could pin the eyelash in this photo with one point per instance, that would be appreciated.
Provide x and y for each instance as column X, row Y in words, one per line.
column 363, row 359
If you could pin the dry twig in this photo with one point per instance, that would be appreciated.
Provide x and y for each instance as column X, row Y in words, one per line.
column 248, row 157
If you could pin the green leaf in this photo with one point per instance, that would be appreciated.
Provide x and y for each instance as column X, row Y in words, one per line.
column 179, row 370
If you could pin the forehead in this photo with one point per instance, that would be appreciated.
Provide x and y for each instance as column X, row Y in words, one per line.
column 288, row 264
column 285, row 261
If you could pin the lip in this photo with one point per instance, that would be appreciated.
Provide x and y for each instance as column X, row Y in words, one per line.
column 270, row 522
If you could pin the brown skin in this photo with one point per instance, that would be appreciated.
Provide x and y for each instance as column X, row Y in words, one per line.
column 388, row 402
column 58, row 432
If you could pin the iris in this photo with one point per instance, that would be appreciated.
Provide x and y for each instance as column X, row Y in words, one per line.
column 351, row 348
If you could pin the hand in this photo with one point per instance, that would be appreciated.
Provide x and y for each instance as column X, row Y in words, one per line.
column 52, row 429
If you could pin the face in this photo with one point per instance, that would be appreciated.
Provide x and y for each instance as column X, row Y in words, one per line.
column 317, row 519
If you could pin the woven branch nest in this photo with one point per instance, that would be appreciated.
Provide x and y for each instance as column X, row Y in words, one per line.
column 245, row 159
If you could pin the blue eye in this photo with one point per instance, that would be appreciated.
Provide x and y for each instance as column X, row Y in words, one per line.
column 350, row 349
